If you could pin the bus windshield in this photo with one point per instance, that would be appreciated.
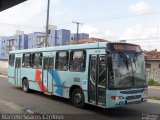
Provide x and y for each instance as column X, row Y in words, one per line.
column 128, row 70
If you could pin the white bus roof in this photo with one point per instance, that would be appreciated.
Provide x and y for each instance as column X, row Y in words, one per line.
column 66, row 47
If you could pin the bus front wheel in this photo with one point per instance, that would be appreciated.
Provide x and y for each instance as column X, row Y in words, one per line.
column 25, row 85
column 78, row 98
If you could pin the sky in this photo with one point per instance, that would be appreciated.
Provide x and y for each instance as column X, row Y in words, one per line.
column 136, row 21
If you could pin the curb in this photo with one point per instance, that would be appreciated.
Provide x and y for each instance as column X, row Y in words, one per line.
column 153, row 101
column 5, row 76
column 153, row 87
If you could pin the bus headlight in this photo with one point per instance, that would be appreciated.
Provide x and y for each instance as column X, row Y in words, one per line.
column 145, row 94
column 117, row 97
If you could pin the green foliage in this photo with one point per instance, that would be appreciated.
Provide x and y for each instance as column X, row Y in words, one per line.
column 152, row 82
column 154, row 97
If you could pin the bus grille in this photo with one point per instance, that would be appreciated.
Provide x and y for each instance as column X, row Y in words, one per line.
column 133, row 97
column 132, row 91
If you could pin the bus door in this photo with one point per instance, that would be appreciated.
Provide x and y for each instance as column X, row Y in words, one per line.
column 97, row 80
column 48, row 67
column 17, row 70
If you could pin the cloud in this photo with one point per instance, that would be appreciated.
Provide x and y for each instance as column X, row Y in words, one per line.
column 89, row 29
column 29, row 13
column 147, row 38
column 22, row 12
column 138, row 31
column 140, row 7
column 94, row 32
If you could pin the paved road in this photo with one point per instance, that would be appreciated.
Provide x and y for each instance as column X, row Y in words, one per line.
column 154, row 91
column 41, row 103
column 3, row 71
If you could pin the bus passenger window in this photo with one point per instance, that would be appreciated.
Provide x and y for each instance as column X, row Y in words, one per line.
column 51, row 63
column 78, row 61
column 37, row 60
column 62, row 61
column 45, row 63
column 26, row 60
column 11, row 60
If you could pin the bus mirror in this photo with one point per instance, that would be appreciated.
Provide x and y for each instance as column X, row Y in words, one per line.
column 108, row 51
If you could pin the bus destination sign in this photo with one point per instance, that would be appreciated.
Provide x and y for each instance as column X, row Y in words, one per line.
column 124, row 47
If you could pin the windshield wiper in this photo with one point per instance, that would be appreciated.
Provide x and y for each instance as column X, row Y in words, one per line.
column 124, row 58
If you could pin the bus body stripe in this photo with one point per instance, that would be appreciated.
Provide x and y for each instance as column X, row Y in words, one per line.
column 56, row 79
column 39, row 80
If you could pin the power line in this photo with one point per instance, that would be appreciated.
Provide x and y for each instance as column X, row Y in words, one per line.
column 16, row 25
column 113, row 17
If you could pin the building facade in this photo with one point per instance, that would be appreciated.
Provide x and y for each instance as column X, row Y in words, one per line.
column 36, row 40
column 16, row 42
column 33, row 40
column 80, row 36
column 59, row 37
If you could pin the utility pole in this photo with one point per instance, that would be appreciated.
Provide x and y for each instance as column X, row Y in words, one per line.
column 78, row 23
column 47, row 24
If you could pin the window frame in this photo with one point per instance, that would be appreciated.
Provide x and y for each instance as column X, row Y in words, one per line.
column 11, row 60
column 57, row 60
column 33, row 60
column 24, row 60
column 148, row 65
column 71, row 62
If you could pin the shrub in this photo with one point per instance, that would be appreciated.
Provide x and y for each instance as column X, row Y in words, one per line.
column 152, row 82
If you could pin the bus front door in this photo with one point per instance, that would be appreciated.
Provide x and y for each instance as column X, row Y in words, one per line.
column 97, row 80
column 48, row 63
column 17, row 71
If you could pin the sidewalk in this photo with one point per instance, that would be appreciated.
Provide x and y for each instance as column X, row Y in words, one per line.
column 7, row 107
column 154, row 87
column 3, row 71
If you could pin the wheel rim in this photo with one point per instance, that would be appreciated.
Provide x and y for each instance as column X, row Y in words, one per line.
column 78, row 98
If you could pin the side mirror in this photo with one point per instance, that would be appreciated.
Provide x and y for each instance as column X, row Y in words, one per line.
column 108, row 51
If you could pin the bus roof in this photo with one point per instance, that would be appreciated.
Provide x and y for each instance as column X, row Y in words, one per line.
column 66, row 47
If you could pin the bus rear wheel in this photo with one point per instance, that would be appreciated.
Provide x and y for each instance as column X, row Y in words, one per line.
column 25, row 85
column 78, row 98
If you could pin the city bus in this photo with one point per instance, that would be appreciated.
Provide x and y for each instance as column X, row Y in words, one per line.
column 104, row 74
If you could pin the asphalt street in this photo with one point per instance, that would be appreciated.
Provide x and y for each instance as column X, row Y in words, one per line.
column 44, row 104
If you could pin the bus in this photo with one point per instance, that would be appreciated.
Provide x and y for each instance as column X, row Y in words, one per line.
column 104, row 74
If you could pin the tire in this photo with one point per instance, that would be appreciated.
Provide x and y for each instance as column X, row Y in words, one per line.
column 25, row 86
column 78, row 98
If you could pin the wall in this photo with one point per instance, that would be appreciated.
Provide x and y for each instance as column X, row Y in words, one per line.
column 154, row 71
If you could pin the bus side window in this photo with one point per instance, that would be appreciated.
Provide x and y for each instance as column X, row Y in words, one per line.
column 62, row 60
column 37, row 60
column 11, row 60
column 45, row 63
column 78, row 61
column 26, row 60
column 51, row 63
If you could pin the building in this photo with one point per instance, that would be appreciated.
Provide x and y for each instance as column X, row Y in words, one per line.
column 82, row 41
column 59, row 37
column 80, row 36
column 152, row 63
column 16, row 42
column 36, row 39
column 33, row 40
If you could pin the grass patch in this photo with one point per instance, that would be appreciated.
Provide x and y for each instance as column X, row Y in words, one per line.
column 154, row 97
column 152, row 82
